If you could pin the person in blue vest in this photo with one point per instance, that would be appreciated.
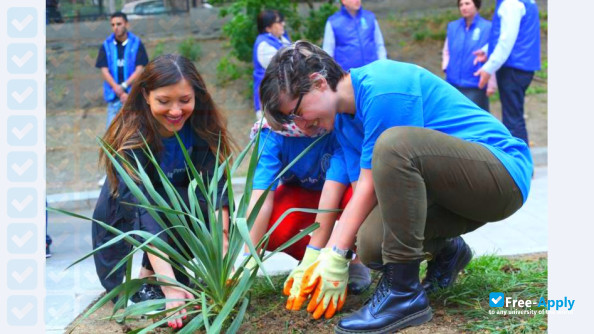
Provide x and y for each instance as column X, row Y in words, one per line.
column 436, row 164
column 464, row 36
column 121, row 58
column 353, row 37
column 272, row 36
column 514, row 56
column 320, row 173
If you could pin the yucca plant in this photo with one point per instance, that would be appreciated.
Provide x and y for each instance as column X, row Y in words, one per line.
column 221, row 293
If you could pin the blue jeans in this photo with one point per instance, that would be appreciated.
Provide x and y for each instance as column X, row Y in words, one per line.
column 512, row 84
column 113, row 108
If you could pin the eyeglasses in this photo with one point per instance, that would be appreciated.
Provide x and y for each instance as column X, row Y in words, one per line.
column 293, row 114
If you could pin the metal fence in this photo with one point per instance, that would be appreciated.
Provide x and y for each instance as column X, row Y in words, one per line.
column 86, row 10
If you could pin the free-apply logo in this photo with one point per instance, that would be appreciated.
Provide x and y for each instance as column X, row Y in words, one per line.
column 496, row 299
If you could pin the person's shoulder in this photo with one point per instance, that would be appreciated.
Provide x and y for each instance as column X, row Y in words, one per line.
column 368, row 13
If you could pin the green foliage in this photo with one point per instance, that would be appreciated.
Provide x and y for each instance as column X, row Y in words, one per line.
column 543, row 73
column 519, row 279
column 221, row 292
column 242, row 30
column 229, row 70
column 159, row 50
column 316, row 22
column 190, row 48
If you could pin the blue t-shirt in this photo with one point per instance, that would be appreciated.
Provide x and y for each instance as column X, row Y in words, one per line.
column 323, row 162
column 390, row 93
column 171, row 159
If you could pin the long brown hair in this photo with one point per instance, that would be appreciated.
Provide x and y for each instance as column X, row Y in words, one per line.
column 135, row 117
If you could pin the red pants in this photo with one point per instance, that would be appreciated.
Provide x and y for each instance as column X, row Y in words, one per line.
column 287, row 197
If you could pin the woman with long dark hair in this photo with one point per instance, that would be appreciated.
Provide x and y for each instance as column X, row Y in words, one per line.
column 169, row 97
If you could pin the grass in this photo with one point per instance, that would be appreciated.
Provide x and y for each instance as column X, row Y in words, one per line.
column 520, row 279
column 466, row 301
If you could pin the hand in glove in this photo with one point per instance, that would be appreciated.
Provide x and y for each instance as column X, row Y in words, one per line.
column 293, row 282
column 327, row 279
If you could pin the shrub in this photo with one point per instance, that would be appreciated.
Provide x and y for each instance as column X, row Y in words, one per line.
column 221, row 293
column 190, row 49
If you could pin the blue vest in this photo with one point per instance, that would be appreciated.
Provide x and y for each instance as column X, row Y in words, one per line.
column 525, row 54
column 461, row 44
column 259, row 70
column 355, row 38
column 111, row 53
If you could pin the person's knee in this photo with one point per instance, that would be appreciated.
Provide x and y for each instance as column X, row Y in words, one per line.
column 398, row 143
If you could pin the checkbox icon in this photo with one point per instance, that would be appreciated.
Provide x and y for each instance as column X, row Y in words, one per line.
column 22, row 22
column 21, row 130
column 22, row 166
column 22, row 58
column 496, row 299
column 22, row 94
column 58, row 307
column 21, row 274
column 21, row 238
column 22, row 310
column 22, row 202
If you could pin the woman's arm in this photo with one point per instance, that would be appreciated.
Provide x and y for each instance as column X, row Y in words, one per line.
column 225, row 223
column 163, row 268
column 330, row 199
column 445, row 55
column 261, row 224
column 356, row 211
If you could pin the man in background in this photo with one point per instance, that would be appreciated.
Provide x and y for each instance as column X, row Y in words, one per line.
column 353, row 37
column 514, row 54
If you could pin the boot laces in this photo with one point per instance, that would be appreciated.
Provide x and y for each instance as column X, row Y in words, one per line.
column 381, row 291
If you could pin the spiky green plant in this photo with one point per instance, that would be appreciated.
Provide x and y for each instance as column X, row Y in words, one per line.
column 220, row 292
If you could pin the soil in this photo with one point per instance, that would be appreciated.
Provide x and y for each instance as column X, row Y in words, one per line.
column 267, row 314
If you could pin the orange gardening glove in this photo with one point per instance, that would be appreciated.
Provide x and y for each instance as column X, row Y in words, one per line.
column 293, row 282
column 327, row 279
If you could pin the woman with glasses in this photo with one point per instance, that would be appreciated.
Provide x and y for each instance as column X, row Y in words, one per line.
column 272, row 36
column 436, row 164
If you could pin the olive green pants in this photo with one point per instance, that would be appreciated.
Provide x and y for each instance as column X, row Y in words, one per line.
column 430, row 187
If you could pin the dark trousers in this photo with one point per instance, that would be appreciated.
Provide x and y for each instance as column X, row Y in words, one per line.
column 478, row 96
column 431, row 186
column 512, row 90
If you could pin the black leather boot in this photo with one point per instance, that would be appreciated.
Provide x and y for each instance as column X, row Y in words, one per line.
column 449, row 262
column 399, row 301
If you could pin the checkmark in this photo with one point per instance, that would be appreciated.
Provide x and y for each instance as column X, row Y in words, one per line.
column 22, row 168
column 21, row 61
column 56, row 313
column 22, row 96
column 21, row 277
column 22, row 240
column 20, row 134
column 496, row 300
column 57, row 276
column 21, row 313
column 21, row 25
column 20, row 206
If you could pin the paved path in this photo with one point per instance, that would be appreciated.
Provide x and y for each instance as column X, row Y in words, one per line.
column 70, row 291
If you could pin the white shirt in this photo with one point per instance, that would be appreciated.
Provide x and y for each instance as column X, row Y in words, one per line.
column 266, row 51
column 511, row 13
